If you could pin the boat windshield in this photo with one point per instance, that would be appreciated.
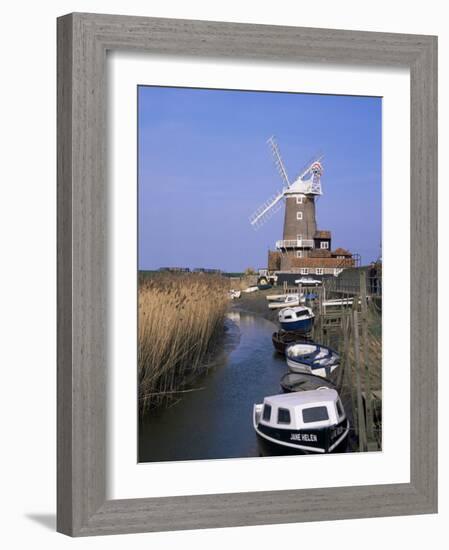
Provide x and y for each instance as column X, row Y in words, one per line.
column 302, row 313
column 266, row 412
column 314, row 414
column 283, row 416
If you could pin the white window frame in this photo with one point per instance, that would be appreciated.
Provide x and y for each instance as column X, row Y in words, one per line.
column 304, row 271
column 299, row 253
column 319, row 271
column 299, row 199
column 299, row 215
column 324, row 245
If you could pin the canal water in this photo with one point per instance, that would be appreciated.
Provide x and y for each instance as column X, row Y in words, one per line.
column 216, row 420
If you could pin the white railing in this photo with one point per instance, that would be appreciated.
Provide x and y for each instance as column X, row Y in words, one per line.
column 295, row 243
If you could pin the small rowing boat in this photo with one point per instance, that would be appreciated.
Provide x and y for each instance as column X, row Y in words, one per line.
column 313, row 359
column 302, row 381
column 284, row 338
column 264, row 286
column 289, row 301
column 250, row 289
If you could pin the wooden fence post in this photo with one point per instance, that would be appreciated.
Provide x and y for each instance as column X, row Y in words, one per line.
column 344, row 351
column 368, row 394
column 349, row 372
column 360, row 409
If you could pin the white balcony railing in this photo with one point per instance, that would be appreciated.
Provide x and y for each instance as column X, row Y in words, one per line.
column 295, row 243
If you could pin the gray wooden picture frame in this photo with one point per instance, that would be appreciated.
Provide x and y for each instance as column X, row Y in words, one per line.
column 83, row 40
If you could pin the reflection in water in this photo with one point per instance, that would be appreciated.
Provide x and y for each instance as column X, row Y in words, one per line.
column 216, row 420
column 234, row 316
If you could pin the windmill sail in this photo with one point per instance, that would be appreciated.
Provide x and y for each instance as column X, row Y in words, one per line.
column 309, row 167
column 278, row 160
column 312, row 184
column 266, row 210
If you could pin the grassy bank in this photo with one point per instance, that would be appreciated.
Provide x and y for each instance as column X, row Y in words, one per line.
column 180, row 319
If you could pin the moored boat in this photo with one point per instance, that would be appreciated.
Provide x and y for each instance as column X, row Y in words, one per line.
column 264, row 286
column 250, row 289
column 303, row 381
column 313, row 359
column 276, row 297
column 284, row 338
column 289, row 301
column 303, row 422
column 296, row 318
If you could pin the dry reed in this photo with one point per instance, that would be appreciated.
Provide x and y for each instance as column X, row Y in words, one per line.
column 180, row 319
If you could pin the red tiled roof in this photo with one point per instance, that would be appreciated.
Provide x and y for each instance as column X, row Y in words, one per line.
column 341, row 252
column 322, row 262
column 320, row 253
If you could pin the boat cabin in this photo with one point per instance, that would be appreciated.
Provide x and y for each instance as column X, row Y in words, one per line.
column 311, row 421
column 303, row 410
column 292, row 314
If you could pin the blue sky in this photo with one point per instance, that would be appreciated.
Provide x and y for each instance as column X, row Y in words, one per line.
column 204, row 167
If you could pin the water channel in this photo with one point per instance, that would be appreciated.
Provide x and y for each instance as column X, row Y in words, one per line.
column 216, row 420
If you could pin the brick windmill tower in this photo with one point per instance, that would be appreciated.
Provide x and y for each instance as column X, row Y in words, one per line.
column 303, row 248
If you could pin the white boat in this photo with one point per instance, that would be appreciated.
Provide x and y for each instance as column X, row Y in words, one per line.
column 304, row 357
column 296, row 318
column 339, row 302
column 276, row 297
column 312, row 421
column 251, row 289
column 308, row 281
column 289, row 301
column 234, row 294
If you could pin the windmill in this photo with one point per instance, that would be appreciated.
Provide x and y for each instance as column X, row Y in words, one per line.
column 299, row 196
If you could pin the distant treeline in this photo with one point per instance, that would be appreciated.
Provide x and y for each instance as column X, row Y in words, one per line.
column 184, row 270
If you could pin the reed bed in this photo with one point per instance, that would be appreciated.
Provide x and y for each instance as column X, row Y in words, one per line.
column 181, row 318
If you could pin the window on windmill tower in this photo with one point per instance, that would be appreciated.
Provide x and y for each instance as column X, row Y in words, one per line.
column 299, row 199
column 324, row 244
column 299, row 215
column 299, row 253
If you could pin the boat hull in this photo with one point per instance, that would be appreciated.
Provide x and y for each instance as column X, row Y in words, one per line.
column 324, row 371
column 304, row 325
column 283, row 441
column 264, row 286
column 304, row 381
column 282, row 339
column 281, row 305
